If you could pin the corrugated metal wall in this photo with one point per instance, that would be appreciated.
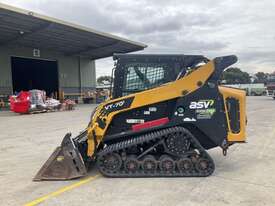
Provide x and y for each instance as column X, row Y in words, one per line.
column 68, row 68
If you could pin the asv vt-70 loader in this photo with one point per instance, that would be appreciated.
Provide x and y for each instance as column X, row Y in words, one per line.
column 164, row 113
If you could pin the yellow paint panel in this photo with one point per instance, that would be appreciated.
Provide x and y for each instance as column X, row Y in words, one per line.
column 241, row 96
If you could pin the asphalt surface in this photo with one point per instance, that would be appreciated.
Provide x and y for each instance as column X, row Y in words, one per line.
column 244, row 177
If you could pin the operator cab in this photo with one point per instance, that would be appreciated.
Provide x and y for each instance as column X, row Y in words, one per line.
column 138, row 72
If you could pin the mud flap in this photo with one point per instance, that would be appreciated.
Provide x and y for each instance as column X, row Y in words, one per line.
column 65, row 163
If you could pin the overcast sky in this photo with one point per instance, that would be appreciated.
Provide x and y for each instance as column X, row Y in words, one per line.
column 209, row 27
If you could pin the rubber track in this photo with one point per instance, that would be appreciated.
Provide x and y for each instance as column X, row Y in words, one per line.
column 135, row 141
column 146, row 138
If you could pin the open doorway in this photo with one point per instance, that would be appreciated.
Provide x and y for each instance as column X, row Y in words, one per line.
column 30, row 74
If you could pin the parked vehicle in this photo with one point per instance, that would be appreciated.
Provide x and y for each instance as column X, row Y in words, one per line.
column 270, row 89
column 157, row 122
column 258, row 89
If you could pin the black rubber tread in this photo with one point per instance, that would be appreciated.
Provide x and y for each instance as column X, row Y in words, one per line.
column 154, row 137
column 135, row 141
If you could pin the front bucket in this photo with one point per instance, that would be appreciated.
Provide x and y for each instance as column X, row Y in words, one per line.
column 65, row 163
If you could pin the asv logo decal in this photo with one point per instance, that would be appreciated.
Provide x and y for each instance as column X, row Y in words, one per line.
column 201, row 104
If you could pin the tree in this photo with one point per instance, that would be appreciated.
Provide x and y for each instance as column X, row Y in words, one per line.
column 234, row 75
column 271, row 77
column 104, row 79
column 261, row 77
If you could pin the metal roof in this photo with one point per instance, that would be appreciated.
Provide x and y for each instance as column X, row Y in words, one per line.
column 29, row 29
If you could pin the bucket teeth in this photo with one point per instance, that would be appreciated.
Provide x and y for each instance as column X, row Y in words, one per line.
column 65, row 163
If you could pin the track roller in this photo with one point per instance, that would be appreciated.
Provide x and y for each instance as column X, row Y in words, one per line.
column 149, row 164
column 166, row 164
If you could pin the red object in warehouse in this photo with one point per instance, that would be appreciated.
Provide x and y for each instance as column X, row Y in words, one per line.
column 21, row 103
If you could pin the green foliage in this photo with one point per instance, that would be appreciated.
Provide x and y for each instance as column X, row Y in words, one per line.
column 104, row 79
column 261, row 77
column 234, row 75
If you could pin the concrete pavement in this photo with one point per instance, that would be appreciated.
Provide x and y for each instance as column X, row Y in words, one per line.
column 244, row 177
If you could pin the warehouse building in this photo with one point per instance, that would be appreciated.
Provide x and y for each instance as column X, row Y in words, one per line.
column 40, row 52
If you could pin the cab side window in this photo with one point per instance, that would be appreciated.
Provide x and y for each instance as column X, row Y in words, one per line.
column 141, row 77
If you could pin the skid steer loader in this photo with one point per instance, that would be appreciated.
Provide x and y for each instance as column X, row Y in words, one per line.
column 163, row 114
